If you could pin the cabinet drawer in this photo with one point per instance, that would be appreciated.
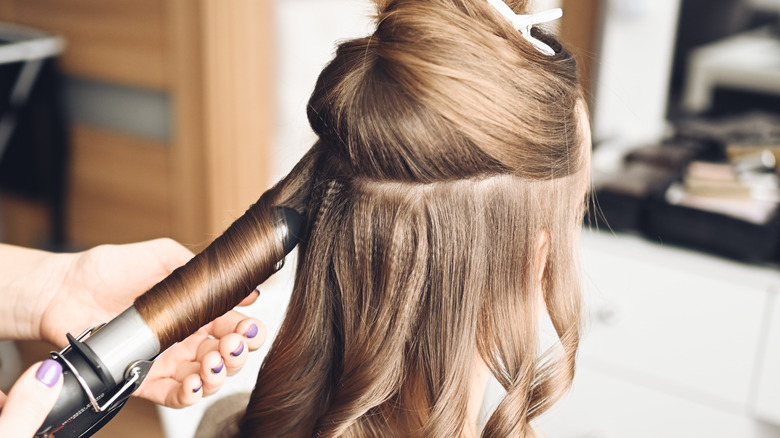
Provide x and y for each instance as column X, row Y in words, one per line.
column 601, row 406
column 674, row 319
column 767, row 405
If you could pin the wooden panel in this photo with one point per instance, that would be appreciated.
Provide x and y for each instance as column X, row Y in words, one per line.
column 24, row 222
column 120, row 188
column 117, row 41
column 579, row 29
column 238, row 104
column 6, row 11
column 190, row 202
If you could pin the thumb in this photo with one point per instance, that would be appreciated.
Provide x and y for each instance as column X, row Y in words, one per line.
column 31, row 399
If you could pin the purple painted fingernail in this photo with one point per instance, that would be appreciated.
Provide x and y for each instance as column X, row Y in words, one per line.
column 218, row 369
column 49, row 372
column 198, row 388
column 238, row 351
column 252, row 332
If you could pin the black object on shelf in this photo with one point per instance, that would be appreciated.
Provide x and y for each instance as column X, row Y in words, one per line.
column 623, row 199
column 712, row 232
column 637, row 197
column 33, row 133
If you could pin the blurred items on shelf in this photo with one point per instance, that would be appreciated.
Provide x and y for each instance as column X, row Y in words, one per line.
column 33, row 138
column 713, row 186
column 745, row 62
column 725, row 58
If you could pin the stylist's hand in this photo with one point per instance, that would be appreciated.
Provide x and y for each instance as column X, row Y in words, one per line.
column 30, row 400
column 94, row 286
column 199, row 365
column 98, row 284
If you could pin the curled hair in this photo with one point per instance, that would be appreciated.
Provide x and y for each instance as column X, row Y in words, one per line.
column 447, row 146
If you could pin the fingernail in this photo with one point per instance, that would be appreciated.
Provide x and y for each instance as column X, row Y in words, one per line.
column 218, row 369
column 238, row 351
column 257, row 291
column 49, row 372
column 198, row 388
column 252, row 332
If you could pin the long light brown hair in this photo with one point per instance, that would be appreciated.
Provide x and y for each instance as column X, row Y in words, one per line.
column 447, row 145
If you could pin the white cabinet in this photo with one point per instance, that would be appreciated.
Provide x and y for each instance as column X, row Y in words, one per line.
column 767, row 405
column 678, row 343
column 604, row 406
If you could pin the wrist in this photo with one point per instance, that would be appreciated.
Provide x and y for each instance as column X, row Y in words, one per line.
column 29, row 280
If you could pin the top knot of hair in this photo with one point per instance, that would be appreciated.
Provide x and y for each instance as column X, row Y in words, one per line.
column 382, row 6
column 444, row 90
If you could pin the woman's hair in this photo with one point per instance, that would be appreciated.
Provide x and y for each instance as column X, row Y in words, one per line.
column 448, row 145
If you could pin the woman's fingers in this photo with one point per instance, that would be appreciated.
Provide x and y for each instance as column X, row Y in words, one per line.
column 187, row 369
column 213, row 372
column 207, row 346
column 216, row 359
column 252, row 329
column 175, row 393
column 199, row 365
column 30, row 399
column 254, row 332
column 188, row 392
column 250, row 299
column 233, row 348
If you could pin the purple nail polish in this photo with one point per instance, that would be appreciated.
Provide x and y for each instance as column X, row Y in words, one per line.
column 218, row 369
column 198, row 388
column 238, row 351
column 49, row 372
column 252, row 332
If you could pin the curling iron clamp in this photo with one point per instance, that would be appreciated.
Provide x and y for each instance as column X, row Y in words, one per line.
column 104, row 365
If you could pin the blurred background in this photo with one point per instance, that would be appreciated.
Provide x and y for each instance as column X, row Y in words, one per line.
column 134, row 119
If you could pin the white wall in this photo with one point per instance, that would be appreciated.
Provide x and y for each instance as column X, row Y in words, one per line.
column 633, row 70
column 307, row 33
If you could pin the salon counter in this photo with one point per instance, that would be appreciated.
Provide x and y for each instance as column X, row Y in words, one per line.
column 677, row 344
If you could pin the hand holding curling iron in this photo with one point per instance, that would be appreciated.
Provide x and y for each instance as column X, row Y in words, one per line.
column 49, row 295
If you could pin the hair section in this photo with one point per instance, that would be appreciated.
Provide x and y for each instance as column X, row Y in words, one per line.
column 447, row 145
column 221, row 276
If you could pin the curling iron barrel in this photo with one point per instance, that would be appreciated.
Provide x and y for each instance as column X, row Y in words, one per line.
column 104, row 365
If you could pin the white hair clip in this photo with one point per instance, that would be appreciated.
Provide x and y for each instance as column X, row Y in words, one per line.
column 524, row 23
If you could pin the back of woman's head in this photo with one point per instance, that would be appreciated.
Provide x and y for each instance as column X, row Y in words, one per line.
column 447, row 89
column 449, row 171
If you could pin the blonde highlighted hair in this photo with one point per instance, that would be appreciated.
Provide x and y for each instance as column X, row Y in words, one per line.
column 447, row 145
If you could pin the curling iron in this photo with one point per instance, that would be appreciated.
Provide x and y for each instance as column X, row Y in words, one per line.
column 104, row 365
